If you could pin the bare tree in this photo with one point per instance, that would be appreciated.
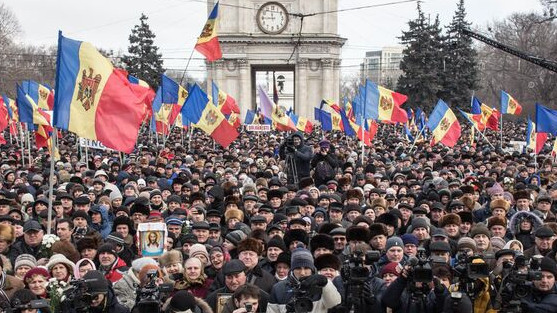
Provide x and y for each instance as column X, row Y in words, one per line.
column 9, row 27
column 527, row 82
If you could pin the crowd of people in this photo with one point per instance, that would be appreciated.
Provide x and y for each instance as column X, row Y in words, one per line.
column 280, row 222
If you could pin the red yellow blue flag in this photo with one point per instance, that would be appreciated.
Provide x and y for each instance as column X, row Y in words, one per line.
column 302, row 123
column 509, row 105
column 93, row 100
column 534, row 140
column 383, row 104
column 208, row 41
column 443, row 124
column 226, row 104
column 208, row 118
column 41, row 94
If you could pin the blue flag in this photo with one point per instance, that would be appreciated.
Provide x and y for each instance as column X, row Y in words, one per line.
column 546, row 120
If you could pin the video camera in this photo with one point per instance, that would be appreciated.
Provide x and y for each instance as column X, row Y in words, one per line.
column 149, row 297
column 354, row 274
column 77, row 295
column 467, row 271
column 517, row 282
column 17, row 306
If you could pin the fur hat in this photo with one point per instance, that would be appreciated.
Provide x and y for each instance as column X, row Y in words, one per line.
column 376, row 229
column 277, row 242
column 327, row 261
column 67, row 249
column 322, row 241
column 326, row 228
column 87, row 243
column 496, row 220
column 522, row 194
column 234, row 213
column 466, row 217
column 295, row 235
column 354, row 193
column 358, row 233
column 171, row 257
column 138, row 264
column 468, row 202
column 7, row 233
column 500, row 203
column 388, row 219
column 450, row 219
column 140, row 207
column 250, row 244
column 306, row 182
column 380, row 202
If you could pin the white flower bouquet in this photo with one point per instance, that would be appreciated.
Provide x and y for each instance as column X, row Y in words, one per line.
column 46, row 245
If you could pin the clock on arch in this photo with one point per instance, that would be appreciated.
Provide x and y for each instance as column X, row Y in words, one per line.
column 272, row 18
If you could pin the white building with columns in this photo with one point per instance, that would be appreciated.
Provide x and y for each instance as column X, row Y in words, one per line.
column 289, row 36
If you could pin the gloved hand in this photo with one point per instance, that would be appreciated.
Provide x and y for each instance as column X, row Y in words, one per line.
column 438, row 287
column 290, row 149
column 315, row 280
column 367, row 293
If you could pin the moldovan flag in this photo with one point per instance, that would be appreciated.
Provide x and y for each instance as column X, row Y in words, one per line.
column 277, row 113
column 546, row 120
column 534, row 140
column 12, row 108
column 208, row 42
column 324, row 118
column 489, row 116
column 368, row 132
column 160, row 114
column 143, row 86
column 509, row 105
column 172, row 94
column 473, row 120
column 227, row 105
column 383, row 104
column 93, row 100
column 302, row 123
column 443, row 125
column 42, row 95
column 208, row 118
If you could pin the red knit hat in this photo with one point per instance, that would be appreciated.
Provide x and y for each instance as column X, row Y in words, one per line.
column 390, row 268
column 36, row 271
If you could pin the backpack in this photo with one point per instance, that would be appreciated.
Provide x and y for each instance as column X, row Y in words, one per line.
column 323, row 170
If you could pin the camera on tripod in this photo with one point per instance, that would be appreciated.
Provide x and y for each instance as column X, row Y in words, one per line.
column 467, row 271
column 354, row 273
column 517, row 282
column 149, row 297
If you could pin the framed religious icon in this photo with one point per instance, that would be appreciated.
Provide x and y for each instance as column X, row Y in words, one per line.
column 151, row 239
column 221, row 301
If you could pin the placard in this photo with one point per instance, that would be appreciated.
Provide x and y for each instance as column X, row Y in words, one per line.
column 151, row 239
column 84, row 142
column 258, row 128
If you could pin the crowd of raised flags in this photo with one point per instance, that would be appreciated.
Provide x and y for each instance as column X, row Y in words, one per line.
column 97, row 101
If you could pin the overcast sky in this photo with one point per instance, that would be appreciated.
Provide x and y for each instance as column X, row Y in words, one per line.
column 177, row 23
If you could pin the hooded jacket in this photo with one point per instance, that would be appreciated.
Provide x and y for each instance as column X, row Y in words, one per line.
column 302, row 156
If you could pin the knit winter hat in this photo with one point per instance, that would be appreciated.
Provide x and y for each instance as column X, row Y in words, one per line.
column 198, row 249
column 495, row 189
column 394, row 242
column 466, row 242
column 235, row 237
column 25, row 259
column 389, row 268
column 548, row 265
column 480, row 229
column 302, row 258
column 276, row 242
column 107, row 247
column 410, row 239
column 36, row 271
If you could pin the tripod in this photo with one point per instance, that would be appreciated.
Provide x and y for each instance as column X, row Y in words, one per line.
column 291, row 169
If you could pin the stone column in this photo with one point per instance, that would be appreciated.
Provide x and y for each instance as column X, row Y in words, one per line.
column 327, row 83
column 245, row 87
column 300, row 101
column 336, row 80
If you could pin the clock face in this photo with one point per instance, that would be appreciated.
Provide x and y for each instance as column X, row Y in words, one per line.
column 272, row 18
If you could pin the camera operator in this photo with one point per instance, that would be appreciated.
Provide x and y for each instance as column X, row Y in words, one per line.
column 183, row 301
column 324, row 163
column 25, row 301
column 294, row 149
column 244, row 300
column 99, row 297
column 303, row 290
column 543, row 297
